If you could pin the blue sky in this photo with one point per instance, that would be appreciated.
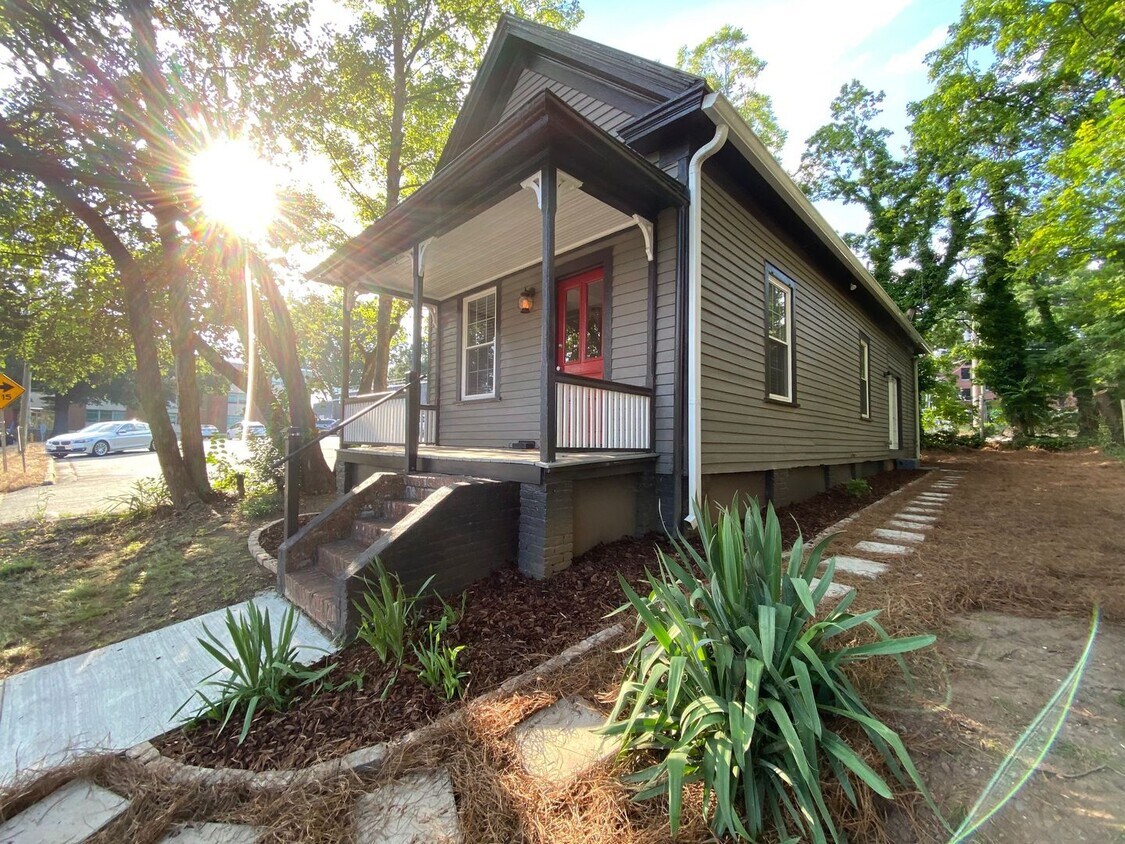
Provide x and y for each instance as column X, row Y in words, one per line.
column 811, row 47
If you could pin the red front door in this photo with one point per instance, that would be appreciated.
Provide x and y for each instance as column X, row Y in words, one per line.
column 581, row 312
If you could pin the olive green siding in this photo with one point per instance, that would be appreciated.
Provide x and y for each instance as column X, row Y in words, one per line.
column 514, row 415
column 741, row 430
column 597, row 112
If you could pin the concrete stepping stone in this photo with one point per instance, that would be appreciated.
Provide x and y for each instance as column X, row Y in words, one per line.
column 915, row 517
column 835, row 592
column 69, row 815
column 901, row 524
column 899, row 535
column 886, row 548
column 860, row 567
column 212, row 833
column 922, row 509
column 419, row 808
column 933, row 496
column 560, row 741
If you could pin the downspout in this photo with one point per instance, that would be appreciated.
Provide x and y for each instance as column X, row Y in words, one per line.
column 695, row 309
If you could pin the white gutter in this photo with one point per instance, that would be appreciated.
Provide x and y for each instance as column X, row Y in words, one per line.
column 723, row 115
column 695, row 309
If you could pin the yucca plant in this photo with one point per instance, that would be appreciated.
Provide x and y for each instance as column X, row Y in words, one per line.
column 261, row 671
column 387, row 613
column 735, row 681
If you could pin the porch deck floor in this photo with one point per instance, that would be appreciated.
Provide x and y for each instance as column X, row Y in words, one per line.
column 525, row 457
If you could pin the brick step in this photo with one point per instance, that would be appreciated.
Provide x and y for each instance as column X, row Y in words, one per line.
column 397, row 508
column 333, row 557
column 430, row 482
column 416, row 493
column 368, row 530
column 314, row 592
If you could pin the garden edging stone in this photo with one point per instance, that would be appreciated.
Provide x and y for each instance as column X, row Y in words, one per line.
column 365, row 759
column 261, row 556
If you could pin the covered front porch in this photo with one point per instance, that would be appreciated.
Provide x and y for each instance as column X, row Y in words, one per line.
column 516, row 374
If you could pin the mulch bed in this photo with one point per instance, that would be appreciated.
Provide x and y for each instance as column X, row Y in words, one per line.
column 510, row 624
column 271, row 538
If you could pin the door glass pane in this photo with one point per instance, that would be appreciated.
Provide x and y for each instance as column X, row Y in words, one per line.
column 594, row 320
column 573, row 340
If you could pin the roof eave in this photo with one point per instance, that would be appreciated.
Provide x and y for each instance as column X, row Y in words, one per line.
column 721, row 112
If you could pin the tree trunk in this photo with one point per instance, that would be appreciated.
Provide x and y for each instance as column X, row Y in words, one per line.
column 280, row 342
column 62, row 414
column 1110, row 408
column 138, row 306
column 383, row 334
column 264, row 399
column 183, row 353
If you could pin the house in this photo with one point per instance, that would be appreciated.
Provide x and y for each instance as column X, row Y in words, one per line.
column 633, row 307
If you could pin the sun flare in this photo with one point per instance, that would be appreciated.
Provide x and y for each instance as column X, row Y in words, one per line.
column 236, row 187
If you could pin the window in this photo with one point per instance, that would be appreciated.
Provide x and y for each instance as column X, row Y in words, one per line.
column 864, row 379
column 478, row 339
column 967, row 393
column 965, row 374
column 779, row 339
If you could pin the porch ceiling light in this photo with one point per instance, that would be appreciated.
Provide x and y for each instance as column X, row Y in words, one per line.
column 527, row 300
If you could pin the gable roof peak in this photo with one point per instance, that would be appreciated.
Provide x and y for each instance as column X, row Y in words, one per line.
column 639, row 84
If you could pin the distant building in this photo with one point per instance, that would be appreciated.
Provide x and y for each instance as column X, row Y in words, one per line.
column 967, row 386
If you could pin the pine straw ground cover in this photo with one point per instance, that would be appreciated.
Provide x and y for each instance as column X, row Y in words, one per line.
column 19, row 478
column 510, row 624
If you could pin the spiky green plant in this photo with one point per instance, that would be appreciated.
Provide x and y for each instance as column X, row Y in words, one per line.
column 258, row 669
column 387, row 613
column 736, row 681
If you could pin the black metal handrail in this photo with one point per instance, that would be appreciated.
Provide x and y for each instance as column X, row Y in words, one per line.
column 340, row 425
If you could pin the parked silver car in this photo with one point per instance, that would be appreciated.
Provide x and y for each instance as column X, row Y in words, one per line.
column 101, row 438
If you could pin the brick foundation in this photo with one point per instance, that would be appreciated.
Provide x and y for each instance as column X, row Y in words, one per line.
column 546, row 539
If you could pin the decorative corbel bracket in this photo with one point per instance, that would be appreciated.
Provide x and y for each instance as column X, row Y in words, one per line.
column 534, row 183
column 646, row 231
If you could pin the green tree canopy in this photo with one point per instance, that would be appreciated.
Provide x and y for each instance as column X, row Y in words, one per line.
column 731, row 67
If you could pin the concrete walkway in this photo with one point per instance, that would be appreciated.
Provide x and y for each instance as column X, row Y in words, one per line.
column 119, row 695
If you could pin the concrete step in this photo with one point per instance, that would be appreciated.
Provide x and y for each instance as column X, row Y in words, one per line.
column 334, row 557
column 368, row 530
column 416, row 493
column 314, row 591
column 397, row 508
column 419, row 808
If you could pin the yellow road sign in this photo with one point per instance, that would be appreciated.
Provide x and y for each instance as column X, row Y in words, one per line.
column 9, row 391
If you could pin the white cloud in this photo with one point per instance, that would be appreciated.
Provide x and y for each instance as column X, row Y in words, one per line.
column 913, row 60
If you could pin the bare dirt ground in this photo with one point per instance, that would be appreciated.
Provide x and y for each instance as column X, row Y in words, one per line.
column 1008, row 576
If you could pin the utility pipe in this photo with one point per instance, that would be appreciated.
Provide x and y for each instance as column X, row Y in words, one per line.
column 695, row 309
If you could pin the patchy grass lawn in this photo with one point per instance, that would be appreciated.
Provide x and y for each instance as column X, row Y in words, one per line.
column 16, row 478
column 72, row 585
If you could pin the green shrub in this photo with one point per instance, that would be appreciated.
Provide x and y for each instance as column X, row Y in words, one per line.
column 438, row 662
column 1046, row 443
column 260, row 504
column 220, row 468
column 947, row 440
column 735, row 681
column 387, row 614
column 145, row 497
column 858, row 488
column 261, row 672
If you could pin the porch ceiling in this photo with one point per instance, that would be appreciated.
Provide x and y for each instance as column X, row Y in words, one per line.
column 481, row 224
column 497, row 242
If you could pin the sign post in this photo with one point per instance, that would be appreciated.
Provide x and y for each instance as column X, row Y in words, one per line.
column 9, row 392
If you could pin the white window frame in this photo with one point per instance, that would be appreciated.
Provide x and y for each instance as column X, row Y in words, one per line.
column 864, row 378
column 466, row 348
column 787, row 291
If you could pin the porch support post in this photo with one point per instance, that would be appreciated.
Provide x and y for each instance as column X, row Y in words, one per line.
column 346, row 353
column 414, row 391
column 547, row 398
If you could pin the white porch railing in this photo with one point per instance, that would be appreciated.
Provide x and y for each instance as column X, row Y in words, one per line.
column 386, row 424
column 593, row 415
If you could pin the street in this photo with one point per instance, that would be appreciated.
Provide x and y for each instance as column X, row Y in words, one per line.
column 85, row 485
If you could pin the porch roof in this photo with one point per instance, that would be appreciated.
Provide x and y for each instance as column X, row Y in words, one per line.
column 485, row 225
